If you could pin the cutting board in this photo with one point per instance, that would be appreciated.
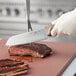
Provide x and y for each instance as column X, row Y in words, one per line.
column 53, row 65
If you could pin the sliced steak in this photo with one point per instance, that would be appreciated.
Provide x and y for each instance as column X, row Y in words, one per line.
column 12, row 67
column 32, row 49
column 9, row 63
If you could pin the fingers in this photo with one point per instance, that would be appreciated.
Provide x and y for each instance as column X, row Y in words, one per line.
column 54, row 31
column 59, row 34
column 49, row 30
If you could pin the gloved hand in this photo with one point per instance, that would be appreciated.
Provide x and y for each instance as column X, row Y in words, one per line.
column 66, row 24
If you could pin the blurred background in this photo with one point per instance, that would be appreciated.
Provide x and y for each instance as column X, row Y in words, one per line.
column 43, row 12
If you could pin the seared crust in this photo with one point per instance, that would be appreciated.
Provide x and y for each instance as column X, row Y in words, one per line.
column 32, row 49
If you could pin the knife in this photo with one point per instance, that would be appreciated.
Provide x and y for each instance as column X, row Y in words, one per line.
column 28, row 37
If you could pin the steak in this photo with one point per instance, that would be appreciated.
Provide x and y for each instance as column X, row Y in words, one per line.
column 32, row 49
column 9, row 67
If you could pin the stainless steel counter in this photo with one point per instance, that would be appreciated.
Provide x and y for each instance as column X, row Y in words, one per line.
column 62, row 39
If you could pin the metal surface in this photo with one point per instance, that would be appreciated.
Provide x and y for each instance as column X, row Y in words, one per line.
column 70, row 70
column 28, row 15
column 28, row 37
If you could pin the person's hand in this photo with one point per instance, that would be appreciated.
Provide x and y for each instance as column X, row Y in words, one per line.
column 64, row 25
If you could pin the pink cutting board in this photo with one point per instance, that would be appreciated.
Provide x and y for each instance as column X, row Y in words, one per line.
column 50, row 66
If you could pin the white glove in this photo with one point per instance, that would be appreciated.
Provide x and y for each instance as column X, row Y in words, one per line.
column 66, row 24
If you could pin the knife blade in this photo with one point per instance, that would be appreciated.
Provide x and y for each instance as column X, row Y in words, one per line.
column 27, row 37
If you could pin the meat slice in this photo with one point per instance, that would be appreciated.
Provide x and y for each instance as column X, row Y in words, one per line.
column 9, row 67
column 9, row 63
column 32, row 49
